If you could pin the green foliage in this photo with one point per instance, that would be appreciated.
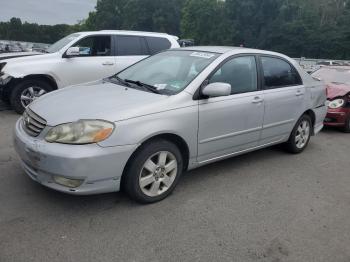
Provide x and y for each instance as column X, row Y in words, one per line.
column 16, row 30
column 207, row 23
column 310, row 28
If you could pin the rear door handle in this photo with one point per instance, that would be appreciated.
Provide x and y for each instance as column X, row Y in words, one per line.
column 107, row 63
column 257, row 100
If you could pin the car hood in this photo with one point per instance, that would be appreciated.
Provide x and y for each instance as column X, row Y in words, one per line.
column 96, row 100
column 4, row 56
column 337, row 90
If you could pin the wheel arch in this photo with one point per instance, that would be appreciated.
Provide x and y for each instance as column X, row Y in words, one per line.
column 173, row 138
column 41, row 77
column 312, row 115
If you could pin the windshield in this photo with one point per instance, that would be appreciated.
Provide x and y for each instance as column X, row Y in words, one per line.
column 62, row 43
column 333, row 75
column 169, row 72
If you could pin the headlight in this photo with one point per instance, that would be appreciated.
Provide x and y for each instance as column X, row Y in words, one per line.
column 80, row 132
column 336, row 103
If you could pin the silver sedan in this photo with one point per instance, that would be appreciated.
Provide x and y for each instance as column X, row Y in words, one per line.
column 180, row 109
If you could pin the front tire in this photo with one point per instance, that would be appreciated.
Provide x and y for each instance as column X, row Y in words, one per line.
column 347, row 126
column 26, row 92
column 300, row 136
column 153, row 172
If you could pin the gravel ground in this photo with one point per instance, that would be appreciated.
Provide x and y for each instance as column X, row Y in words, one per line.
column 263, row 206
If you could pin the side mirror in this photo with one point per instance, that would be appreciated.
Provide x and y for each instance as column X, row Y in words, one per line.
column 217, row 89
column 72, row 52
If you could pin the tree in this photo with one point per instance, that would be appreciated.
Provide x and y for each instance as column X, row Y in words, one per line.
column 206, row 22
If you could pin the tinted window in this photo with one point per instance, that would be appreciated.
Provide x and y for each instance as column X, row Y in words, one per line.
column 131, row 45
column 240, row 73
column 94, row 46
column 279, row 73
column 157, row 44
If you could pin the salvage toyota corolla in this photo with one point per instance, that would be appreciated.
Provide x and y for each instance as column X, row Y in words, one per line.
column 180, row 109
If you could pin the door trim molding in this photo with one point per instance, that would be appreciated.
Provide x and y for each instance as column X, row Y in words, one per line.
column 278, row 123
column 231, row 135
column 239, row 152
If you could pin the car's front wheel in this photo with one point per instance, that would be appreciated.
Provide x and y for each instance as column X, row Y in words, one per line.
column 153, row 172
column 26, row 92
column 347, row 126
column 300, row 136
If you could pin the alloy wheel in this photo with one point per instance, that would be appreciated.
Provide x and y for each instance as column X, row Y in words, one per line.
column 158, row 173
column 30, row 94
column 302, row 134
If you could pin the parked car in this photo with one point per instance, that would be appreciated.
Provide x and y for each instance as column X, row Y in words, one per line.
column 338, row 94
column 77, row 58
column 172, row 112
column 329, row 63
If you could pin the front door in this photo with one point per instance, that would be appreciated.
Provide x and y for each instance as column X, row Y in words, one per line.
column 96, row 61
column 233, row 123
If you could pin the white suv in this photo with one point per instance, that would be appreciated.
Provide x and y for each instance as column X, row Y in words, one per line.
column 78, row 58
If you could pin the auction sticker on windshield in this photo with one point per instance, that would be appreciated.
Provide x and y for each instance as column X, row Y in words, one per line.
column 202, row 55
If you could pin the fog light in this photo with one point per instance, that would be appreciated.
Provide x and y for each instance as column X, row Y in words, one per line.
column 63, row 181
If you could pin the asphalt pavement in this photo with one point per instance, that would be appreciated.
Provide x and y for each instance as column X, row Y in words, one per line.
column 263, row 206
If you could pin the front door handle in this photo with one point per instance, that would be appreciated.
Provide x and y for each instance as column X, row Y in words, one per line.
column 107, row 63
column 257, row 100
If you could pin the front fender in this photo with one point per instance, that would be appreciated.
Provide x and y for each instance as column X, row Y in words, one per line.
column 19, row 68
column 182, row 122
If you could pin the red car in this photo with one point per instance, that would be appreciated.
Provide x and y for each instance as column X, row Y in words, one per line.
column 337, row 79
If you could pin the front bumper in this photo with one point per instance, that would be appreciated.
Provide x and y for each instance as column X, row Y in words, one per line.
column 100, row 168
column 337, row 117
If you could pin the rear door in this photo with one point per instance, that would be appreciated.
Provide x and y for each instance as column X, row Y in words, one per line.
column 284, row 98
column 129, row 49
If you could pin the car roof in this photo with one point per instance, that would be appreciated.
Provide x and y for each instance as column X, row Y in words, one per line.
column 126, row 32
column 228, row 49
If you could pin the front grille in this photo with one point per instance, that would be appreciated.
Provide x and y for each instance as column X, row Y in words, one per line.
column 32, row 123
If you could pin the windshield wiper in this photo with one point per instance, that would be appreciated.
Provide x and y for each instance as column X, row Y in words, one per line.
column 144, row 85
column 121, row 81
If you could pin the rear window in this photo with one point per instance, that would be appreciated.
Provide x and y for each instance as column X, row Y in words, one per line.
column 157, row 44
column 131, row 46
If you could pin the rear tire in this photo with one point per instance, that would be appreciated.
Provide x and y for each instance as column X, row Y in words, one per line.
column 153, row 172
column 31, row 89
column 300, row 136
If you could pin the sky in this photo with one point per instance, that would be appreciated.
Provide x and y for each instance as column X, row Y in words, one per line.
column 47, row 12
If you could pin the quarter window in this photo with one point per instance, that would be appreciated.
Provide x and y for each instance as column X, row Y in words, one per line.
column 131, row 46
column 94, row 46
column 278, row 73
column 240, row 73
column 157, row 44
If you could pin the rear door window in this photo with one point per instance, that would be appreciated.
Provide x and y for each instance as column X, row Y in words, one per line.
column 157, row 44
column 131, row 46
column 279, row 73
